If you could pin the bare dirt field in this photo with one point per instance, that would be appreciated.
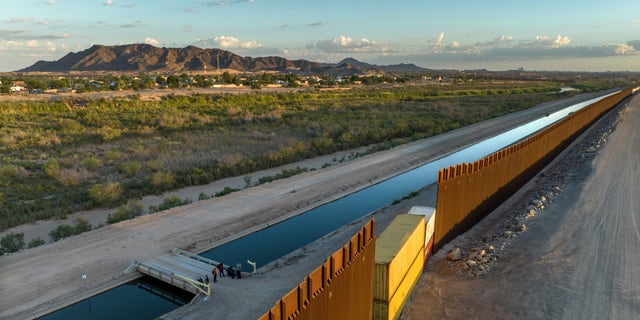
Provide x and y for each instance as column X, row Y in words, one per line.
column 37, row 281
column 566, row 247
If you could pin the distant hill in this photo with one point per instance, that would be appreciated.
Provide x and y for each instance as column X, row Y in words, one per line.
column 148, row 58
column 395, row 68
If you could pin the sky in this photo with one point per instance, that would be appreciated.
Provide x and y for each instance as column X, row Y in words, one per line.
column 586, row 35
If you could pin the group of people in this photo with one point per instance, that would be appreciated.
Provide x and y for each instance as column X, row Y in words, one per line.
column 233, row 272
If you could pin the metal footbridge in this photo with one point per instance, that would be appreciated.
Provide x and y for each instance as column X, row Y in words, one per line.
column 181, row 269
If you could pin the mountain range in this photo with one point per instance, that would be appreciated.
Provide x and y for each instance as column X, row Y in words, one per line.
column 148, row 58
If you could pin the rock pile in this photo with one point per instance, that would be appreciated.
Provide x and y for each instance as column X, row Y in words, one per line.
column 482, row 254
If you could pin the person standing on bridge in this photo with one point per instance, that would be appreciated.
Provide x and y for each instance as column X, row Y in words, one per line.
column 221, row 270
column 214, row 271
column 239, row 270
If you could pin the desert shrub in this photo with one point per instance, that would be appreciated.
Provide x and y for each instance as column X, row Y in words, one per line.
column 61, row 232
column 112, row 156
column 82, row 225
column 203, row 196
column 285, row 173
column 130, row 168
column 163, row 180
column 106, row 193
column 35, row 242
column 127, row 211
column 52, row 168
column 226, row 191
column 154, row 165
column 69, row 126
column 91, row 163
column 12, row 242
column 170, row 202
column 8, row 172
column 107, row 133
column 247, row 181
column 73, row 176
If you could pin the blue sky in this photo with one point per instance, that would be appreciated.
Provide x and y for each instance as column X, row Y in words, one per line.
column 585, row 35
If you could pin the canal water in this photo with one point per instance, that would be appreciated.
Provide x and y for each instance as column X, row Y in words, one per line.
column 143, row 298
column 135, row 300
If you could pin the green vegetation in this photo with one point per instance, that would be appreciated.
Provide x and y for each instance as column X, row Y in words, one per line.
column 11, row 242
column 168, row 203
column 127, row 211
column 226, row 191
column 59, row 157
column 80, row 225
column 35, row 242
column 285, row 173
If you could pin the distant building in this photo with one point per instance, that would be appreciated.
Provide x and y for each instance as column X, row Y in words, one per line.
column 17, row 89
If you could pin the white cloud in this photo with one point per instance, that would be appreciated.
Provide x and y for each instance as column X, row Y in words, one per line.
column 345, row 44
column 438, row 44
column 51, row 2
column 244, row 48
column 635, row 44
column 17, row 20
column 228, row 42
column 621, row 48
column 12, row 45
column 223, row 3
column 498, row 42
column 151, row 41
column 505, row 50
column 108, row 3
column 546, row 41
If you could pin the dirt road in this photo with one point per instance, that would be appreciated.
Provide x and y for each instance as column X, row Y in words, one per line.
column 578, row 259
column 37, row 281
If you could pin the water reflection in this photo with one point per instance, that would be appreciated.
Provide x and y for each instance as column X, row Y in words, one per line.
column 126, row 302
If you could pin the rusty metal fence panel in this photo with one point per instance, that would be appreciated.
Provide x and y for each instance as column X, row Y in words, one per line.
column 467, row 192
column 341, row 288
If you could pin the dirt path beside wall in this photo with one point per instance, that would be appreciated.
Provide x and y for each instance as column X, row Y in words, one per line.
column 37, row 281
column 577, row 255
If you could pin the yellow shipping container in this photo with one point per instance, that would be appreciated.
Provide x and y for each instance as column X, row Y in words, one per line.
column 385, row 310
column 396, row 249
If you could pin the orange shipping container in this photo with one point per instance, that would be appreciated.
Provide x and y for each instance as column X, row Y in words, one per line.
column 396, row 249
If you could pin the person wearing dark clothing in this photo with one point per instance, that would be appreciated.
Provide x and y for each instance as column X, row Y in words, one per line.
column 220, row 269
column 239, row 270
column 214, row 271
column 231, row 272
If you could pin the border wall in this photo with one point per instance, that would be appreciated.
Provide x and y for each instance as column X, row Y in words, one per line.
column 341, row 288
column 468, row 192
